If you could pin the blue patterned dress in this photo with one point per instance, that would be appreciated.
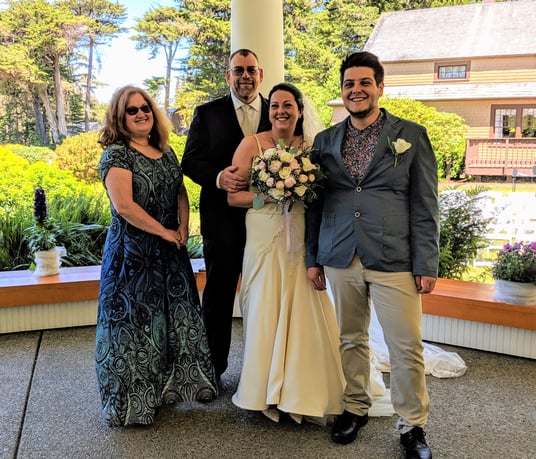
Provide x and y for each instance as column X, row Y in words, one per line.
column 151, row 346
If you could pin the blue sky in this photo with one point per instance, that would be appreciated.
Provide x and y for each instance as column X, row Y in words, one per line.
column 121, row 64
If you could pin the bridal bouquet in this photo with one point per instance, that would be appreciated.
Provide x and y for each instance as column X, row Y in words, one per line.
column 285, row 174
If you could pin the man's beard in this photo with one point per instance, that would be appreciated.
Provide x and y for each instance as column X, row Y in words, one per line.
column 362, row 113
column 246, row 92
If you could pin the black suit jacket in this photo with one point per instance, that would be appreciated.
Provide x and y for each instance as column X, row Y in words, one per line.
column 213, row 137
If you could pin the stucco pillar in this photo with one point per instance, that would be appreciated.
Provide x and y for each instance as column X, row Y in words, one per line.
column 258, row 25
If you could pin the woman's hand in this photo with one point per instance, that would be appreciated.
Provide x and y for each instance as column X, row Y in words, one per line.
column 317, row 277
column 171, row 236
column 183, row 234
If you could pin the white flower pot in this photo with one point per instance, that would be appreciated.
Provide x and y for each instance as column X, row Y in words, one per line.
column 522, row 293
column 47, row 262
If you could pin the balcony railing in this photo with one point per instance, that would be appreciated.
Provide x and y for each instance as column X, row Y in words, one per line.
column 499, row 157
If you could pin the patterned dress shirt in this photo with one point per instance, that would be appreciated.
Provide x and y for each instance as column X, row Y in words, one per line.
column 358, row 147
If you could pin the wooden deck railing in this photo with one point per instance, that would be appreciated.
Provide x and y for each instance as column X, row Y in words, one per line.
column 499, row 157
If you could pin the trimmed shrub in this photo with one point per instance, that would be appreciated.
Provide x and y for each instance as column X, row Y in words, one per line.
column 80, row 154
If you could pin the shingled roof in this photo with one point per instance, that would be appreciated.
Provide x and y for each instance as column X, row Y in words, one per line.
column 465, row 31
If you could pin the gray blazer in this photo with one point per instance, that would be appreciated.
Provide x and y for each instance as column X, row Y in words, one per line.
column 390, row 219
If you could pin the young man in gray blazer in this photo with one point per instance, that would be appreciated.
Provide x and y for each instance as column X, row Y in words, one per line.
column 374, row 231
column 216, row 130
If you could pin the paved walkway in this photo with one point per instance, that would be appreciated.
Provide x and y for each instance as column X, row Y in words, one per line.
column 50, row 409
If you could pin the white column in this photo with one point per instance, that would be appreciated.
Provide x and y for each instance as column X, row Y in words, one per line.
column 258, row 25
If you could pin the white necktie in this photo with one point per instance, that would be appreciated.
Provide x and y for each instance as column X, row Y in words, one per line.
column 248, row 114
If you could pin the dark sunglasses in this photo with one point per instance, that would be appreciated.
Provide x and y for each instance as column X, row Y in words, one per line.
column 239, row 71
column 134, row 110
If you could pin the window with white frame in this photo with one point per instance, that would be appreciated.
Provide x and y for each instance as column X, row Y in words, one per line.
column 452, row 72
column 514, row 121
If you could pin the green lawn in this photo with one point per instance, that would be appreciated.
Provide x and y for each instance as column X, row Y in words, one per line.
column 504, row 187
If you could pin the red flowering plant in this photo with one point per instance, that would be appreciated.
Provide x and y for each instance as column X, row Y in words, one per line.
column 285, row 174
column 516, row 262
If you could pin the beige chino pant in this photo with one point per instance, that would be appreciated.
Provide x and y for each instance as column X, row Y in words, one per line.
column 398, row 307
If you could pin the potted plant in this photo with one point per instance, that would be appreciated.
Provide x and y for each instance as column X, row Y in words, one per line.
column 42, row 238
column 514, row 272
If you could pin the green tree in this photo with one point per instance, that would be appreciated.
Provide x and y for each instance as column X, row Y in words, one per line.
column 163, row 29
column 104, row 21
column 20, row 76
column 154, row 86
column 398, row 5
column 47, row 35
column 345, row 25
column 203, row 68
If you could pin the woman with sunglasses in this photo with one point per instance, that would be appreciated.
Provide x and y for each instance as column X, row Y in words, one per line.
column 151, row 346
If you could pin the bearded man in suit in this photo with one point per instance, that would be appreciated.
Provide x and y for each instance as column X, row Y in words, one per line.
column 374, row 231
column 216, row 130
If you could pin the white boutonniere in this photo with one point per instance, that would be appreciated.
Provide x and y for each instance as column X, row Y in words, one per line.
column 398, row 147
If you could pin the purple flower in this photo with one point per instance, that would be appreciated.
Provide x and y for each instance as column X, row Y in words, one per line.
column 40, row 205
column 516, row 262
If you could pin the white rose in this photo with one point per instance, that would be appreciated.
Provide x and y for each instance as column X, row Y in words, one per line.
column 269, row 153
column 401, row 146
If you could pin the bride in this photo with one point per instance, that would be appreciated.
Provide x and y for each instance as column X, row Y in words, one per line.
column 291, row 362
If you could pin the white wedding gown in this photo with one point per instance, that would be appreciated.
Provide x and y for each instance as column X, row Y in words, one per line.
column 291, row 358
column 291, row 339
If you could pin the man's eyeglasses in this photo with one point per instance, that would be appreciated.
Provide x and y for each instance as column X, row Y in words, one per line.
column 134, row 110
column 239, row 71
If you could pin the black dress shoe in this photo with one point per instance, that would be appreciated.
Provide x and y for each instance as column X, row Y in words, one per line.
column 415, row 444
column 346, row 426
